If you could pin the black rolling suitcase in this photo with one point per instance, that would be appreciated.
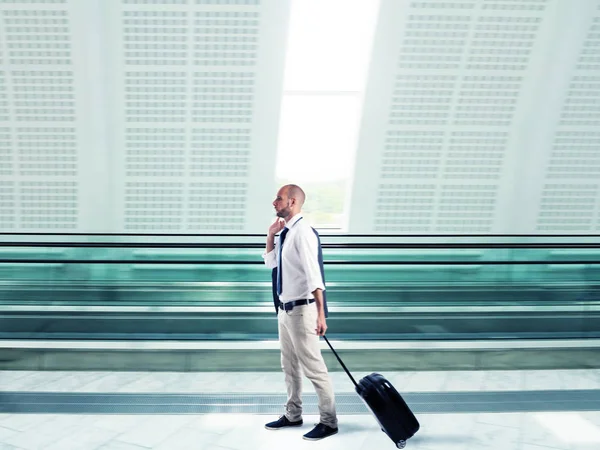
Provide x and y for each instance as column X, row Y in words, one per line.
column 386, row 404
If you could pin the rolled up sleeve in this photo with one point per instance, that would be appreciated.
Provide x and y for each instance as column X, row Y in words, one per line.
column 308, row 251
column 270, row 259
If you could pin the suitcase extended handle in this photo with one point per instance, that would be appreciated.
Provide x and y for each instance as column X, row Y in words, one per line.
column 341, row 362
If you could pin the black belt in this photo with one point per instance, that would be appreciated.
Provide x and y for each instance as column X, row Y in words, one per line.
column 288, row 306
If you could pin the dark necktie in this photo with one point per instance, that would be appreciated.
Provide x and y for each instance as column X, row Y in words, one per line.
column 279, row 276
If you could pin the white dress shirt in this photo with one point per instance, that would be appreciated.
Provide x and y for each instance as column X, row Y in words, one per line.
column 301, row 274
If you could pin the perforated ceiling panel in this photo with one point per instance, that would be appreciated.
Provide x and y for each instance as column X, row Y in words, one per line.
column 4, row 111
column 458, row 79
column 189, row 80
column 38, row 138
column 571, row 193
column 7, row 189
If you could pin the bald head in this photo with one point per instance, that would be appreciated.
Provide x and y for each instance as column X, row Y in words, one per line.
column 296, row 192
column 289, row 201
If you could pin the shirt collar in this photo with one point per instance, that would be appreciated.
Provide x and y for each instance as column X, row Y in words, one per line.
column 293, row 221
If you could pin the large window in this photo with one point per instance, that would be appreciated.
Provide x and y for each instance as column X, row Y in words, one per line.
column 327, row 58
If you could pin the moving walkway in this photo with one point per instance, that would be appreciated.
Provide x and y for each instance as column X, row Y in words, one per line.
column 463, row 297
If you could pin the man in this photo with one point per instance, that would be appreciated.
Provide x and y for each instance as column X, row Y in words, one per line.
column 301, row 312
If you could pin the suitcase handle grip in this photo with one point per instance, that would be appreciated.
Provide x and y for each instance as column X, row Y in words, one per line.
column 339, row 359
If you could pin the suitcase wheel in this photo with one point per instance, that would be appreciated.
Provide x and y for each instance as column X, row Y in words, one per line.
column 401, row 444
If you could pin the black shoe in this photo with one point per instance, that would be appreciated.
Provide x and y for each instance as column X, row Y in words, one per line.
column 319, row 432
column 282, row 422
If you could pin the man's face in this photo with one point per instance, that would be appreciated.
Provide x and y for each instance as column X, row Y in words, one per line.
column 282, row 204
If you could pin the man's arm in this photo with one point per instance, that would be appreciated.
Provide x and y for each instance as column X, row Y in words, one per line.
column 269, row 256
column 308, row 248
column 270, row 242
column 321, row 321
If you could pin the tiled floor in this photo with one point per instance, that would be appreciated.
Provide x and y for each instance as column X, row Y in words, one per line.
column 567, row 430
column 272, row 382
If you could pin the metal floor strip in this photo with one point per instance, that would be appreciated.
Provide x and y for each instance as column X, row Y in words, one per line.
column 347, row 403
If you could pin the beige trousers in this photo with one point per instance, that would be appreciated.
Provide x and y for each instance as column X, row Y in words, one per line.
column 300, row 353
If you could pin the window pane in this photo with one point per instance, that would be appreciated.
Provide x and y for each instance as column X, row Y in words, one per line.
column 317, row 137
column 329, row 44
column 317, row 143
